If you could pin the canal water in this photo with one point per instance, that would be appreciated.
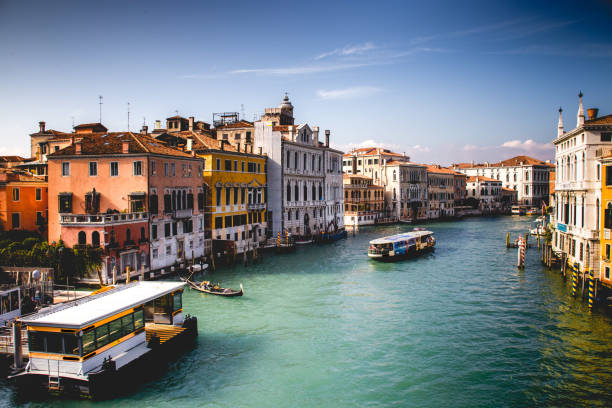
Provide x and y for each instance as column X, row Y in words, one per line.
column 326, row 327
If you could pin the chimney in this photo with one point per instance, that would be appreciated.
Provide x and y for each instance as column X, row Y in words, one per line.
column 259, row 150
column 191, row 119
column 251, row 148
column 41, row 126
column 71, row 140
column 591, row 112
column 221, row 144
column 78, row 147
column 158, row 124
column 189, row 144
column 144, row 130
column 315, row 130
column 125, row 147
column 38, row 153
column 291, row 134
column 327, row 132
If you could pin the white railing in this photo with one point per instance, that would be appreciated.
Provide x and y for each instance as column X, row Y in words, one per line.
column 102, row 219
column 255, row 206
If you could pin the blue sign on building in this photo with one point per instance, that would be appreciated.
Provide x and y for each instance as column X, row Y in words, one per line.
column 561, row 227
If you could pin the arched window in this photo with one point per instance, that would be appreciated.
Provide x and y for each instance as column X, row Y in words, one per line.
column 184, row 201
column 394, row 175
column 320, row 192
column 95, row 239
column 304, row 161
column 597, row 214
column 128, row 235
column 514, row 176
column 314, row 193
column 82, row 238
column 583, row 165
column 394, row 192
column 142, row 234
column 305, row 197
column 288, row 192
column 174, row 200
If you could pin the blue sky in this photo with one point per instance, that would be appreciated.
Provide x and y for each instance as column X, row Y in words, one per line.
column 443, row 81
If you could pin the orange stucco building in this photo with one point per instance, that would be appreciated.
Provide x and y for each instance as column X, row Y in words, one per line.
column 23, row 202
column 129, row 194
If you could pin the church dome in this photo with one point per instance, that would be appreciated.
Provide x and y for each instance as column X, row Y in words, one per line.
column 286, row 104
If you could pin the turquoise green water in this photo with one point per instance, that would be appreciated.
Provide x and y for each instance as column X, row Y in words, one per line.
column 326, row 327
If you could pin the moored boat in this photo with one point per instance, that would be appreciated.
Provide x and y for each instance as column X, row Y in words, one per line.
column 212, row 289
column 401, row 246
column 98, row 346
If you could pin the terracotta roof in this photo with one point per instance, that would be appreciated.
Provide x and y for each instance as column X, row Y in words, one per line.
column 362, row 176
column 88, row 125
column 112, row 143
column 481, row 178
column 399, row 162
column 239, row 124
column 7, row 159
column 602, row 120
column 516, row 161
column 509, row 189
column 176, row 117
column 55, row 133
column 366, row 151
column 439, row 169
column 20, row 175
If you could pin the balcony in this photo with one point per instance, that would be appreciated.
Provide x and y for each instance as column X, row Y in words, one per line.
column 102, row 219
column 184, row 213
column 256, row 206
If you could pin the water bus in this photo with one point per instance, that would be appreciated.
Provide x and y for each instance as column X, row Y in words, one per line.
column 518, row 210
column 97, row 346
column 402, row 246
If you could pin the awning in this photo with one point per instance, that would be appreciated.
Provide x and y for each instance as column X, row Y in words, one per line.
column 137, row 194
column 65, row 194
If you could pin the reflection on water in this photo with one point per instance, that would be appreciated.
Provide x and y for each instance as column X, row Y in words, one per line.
column 326, row 327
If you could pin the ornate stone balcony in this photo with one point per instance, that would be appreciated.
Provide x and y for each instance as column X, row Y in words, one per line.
column 102, row 219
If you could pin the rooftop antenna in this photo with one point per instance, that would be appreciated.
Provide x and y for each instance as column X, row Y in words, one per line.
column 144, row 121
column 72, row 121
column 128, row 111
column 242, row 115
column 176, row 112
column 100, row 97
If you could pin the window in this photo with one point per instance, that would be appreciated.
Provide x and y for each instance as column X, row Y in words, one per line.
column 167, row 229
column 153, row 167
column 235, row 165
column 173, row 169
column 66, row 169
column 218, row 195
column 137, row 166
column 227, row 195
column 153, row 204
column 288, row 159
column 606, row 136
column 40, row 219
column 155, row 253
column 218, row 222
column 15, row 194
column 65, row 203
column 93, row 169
column 15, row 220
column 218, row 164
column 168, row 249
column 228, row 221
column 242, row 194
column 242, row 167
column 608, row 175
column 607, row 272
column 288, row 192
column 607, row 251
column 225, row 136
column 114, row 169
column 228, row 165
column 38, row 194
column 166, row 170
column 154, row 231
column 304, row 161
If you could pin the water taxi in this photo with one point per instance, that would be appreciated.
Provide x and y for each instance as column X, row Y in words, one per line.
column 98, row 346
column 402, row 246
column 517, row 210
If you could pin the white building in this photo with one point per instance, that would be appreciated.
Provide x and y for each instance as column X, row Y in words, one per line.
column 528, row 176
column 334, row 212
column 486, row 190
column 405, row 189
column 297, row 174
column 578, row 187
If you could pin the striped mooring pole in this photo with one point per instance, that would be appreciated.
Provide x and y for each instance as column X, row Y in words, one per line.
column 574, row 281
column 521, row 253
column 591, row 291
column 278, row 238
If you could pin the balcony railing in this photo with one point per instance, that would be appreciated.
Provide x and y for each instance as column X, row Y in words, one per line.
column 184, row 213
column 256, row 206
column 102, row 219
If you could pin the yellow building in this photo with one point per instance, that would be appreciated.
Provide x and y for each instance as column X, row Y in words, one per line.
column 605, row 221
column 236, row 204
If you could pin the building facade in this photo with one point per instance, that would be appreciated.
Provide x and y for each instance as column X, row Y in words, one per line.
column 297, row 174
column 487, row 191
column 130, row 195
column 578, row 191
column 370, row 162
column 23, row 202
column 528, row 176
column 364, row 202
column 440, row 192
column 605, row 217
column 405, row 186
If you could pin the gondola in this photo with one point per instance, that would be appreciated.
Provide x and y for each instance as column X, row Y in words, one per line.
column 207, row 287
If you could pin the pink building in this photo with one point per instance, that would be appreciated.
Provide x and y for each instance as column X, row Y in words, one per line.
column 129, row 194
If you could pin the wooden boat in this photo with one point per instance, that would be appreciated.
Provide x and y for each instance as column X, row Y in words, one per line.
column 332, row 236
column 207, row 287
column 401, row 246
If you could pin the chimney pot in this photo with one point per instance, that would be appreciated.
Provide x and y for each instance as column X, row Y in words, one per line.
column 191, row 120
column 144, row 130
column 158, row 124
column 78, row 146
column 41, row 126
column 189, row 146
column 327, row 133
column 591, row 112
column 125, row 147
column 259, row 150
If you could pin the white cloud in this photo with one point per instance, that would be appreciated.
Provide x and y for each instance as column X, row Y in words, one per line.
column 348, row 50
column 527, row 145
column 306, row 69
column 347, row 93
